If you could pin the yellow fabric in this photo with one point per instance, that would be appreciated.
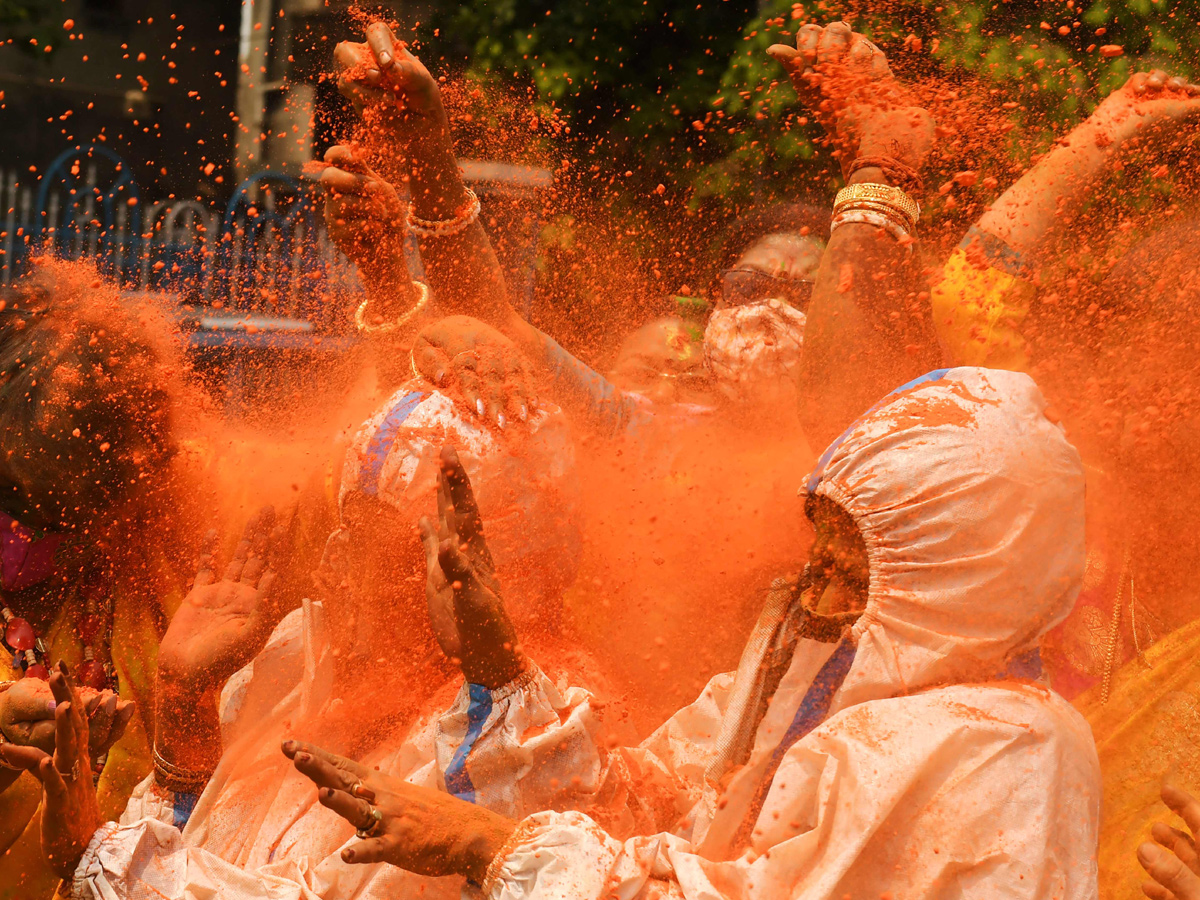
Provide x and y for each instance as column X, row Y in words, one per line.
column 978, row 311
column 1147, row 731
column 142, row 605
column 24, row 875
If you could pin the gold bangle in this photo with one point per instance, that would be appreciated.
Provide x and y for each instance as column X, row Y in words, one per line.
column 882, row 209
column 176, row 778
column 853, row 194
column 360, row 314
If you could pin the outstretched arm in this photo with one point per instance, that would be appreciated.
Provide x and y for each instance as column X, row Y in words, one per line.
column 409, row 141
column 869, row 329
column 1043, row 201
column 407, row 138
column 986, row 287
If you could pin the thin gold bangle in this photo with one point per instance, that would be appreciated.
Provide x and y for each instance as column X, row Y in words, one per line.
column 360, row 314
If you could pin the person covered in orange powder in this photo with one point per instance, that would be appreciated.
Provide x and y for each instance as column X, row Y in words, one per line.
column 728, row 455
column 401, row 104
column 886, row 732
column 365, row 669
column 89, row 401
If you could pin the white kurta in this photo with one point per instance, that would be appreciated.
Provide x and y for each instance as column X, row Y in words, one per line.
column 913, row 769
column 961, row 792
column 258, row 830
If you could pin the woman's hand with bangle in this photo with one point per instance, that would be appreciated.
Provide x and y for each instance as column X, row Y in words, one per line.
column 846, row 81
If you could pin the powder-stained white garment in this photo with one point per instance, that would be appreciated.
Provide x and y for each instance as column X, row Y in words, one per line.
column 928, row 777
column 258, row 830
column 754, row 351
column 523, row 477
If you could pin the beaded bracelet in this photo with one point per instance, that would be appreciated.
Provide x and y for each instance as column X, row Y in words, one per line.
column 446, row 227
column 870, row 217
column 360, row 314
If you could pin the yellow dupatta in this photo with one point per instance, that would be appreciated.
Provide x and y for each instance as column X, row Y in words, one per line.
column 24, row 874
column 1148, row 731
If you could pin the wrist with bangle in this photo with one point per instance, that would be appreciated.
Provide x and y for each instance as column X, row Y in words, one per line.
column 463, row 219
column 365, row 326
column 883, row 206
column 178, row 779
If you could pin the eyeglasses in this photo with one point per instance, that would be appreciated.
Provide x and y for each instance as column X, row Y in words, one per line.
column 742, row 286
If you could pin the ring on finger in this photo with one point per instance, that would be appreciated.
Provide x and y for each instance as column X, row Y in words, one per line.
column 362, row 792
column 72, row 775
column 470, row 354
column 376, row 817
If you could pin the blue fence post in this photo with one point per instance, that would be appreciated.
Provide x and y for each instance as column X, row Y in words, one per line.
column 67, row 193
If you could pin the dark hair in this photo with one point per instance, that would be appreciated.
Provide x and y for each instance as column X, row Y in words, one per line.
column 778, row 218
column 86, row 379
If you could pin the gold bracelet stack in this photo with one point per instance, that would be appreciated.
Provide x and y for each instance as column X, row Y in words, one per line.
column 881, row 205
column 360, row 314
column 177, row 779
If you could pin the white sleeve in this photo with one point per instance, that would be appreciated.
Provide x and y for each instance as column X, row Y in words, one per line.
column 520, row 748
column 972, row 792
column 149, row 801
column 149, row 859
column 528, row 746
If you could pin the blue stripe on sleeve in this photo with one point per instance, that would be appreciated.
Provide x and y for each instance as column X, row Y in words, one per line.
column 182, row 809
column 458, row 781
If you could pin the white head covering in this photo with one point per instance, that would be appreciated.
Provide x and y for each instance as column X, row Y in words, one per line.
column 970, row 502
column 523, row 477
column 754, row 350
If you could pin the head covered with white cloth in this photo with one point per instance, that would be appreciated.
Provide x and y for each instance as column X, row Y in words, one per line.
column 921, row 753
column 970, row 501
column 524, row 481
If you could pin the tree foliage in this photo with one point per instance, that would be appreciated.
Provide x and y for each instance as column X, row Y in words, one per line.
column 683, row 93
column 678, row 119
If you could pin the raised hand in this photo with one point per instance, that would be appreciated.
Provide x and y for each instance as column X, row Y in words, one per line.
column 1173, row 863
column 465, row 608
column 70, row 813
column 415, row 828
column 486, row 367
column 384, row 80
column 363, row 213
column 846, row 81
column 224, row 622
column 1148, row 104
